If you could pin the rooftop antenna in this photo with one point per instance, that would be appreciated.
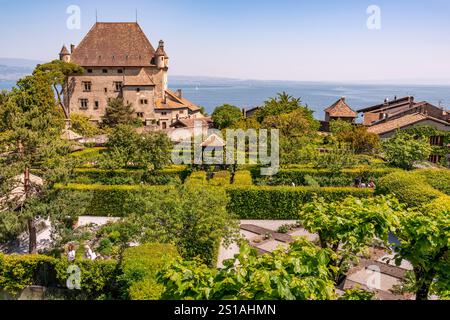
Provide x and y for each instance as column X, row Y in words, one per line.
column 136, row 16
column 96, row 16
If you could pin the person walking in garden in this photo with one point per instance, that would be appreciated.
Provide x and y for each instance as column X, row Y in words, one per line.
column 72, row 253
column 91, row 255
column 371, row 184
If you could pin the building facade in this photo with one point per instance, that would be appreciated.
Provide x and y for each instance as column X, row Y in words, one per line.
column 120, row 62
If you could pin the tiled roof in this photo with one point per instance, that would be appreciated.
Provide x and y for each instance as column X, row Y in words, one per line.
column 173, row 100
column 190, row 123
column 141, row 79
column 390, row 104
column 341, row 109
column 64, row 50
column 398, row 123
column 114, row 44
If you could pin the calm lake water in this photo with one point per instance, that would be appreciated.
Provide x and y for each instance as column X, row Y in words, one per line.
column 318, row 96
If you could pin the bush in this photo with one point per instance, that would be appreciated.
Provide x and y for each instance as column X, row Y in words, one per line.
column 112, row 201
column 441, row 204
column 409, row 187
column 281, row 203
column 243, row 178
column 18, row 272
column 197, row 178
column 324, row 177
column 220, row 179
column 438, row 179
column 139, row 268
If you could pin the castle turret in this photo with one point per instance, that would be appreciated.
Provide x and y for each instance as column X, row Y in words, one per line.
column 64, row 55
column 162, row 59
column 162, row 62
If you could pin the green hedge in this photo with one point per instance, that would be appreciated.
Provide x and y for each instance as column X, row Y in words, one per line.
column 112, row 201
column 438, row 179
column 279, row 203
column 220, row 179
column 139, row 268
column 129, row 176
column 410, row 188
column 243, row 178
column 324, row 177
column 20, row 271
column 197, row 178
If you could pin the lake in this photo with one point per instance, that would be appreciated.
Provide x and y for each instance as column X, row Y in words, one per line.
column 211, row 92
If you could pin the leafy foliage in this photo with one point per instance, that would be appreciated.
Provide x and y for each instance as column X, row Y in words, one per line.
column 299, row 273
column 424, row 242
column 83, row 126
column 118, row 113
column 226, row 115
column 404, row 149
column 347, row 227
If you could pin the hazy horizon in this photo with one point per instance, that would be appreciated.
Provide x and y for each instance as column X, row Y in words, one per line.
column 284, row 40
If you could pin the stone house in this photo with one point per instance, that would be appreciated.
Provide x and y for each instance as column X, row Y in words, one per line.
column 120, row 62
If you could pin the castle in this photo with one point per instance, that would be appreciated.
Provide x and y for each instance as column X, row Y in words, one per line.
column 120, row 62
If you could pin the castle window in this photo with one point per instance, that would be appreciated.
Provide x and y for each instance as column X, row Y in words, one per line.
column 106, row 90
column 84, row 104
column 117, row 86
column 120, row 71
column 144, row 101
column 164, row 125
column 138, row 89
column 89, row 70
column 96, row 105
column 105, row 70
column 164, row 113
column 87, row 86
column 140, row 114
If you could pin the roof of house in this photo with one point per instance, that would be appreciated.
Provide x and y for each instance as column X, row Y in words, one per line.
column 191, row 122
column 398, row 123
column 213, row 141
column 64, row 50
column 141, row 79
column 341, row 109
column 390, row 104
column 173, row 101
column 114, row 44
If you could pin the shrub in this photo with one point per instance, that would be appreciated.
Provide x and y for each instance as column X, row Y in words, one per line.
column 18, row 272
column 409, row 187
column 220, row 179
column 243, row 178
column 196, row 178
column 324, row 177
column 441, row 204
column 112, row 201
column 139, row 268
column 438, row 179
column 281, row 203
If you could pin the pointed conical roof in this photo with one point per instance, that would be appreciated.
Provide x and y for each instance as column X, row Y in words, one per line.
column 64, row 50
column 160, row 51
column 341, row 109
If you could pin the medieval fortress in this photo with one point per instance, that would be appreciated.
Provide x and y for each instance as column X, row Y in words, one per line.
column 120, row 62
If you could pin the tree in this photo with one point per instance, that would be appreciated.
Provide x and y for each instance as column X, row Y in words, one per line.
column 403, row 150
column 83, row 125
column 282, row 103
column 150, row 151
column 31, row 125
column 203, row 111
column 298, row 273
column 193, row 219
column 57, row 73
column 117, row 112
column 349, row 226
column 356, row 136
column 424, row 242
column 225, row 115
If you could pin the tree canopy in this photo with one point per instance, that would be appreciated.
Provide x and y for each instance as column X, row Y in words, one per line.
column 118, row 112
column 226, row 115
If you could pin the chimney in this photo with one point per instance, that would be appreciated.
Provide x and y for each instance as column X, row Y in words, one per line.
column 72, row 48
column 180, row 94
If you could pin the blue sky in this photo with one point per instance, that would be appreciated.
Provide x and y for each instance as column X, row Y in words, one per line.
column 256, row 39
